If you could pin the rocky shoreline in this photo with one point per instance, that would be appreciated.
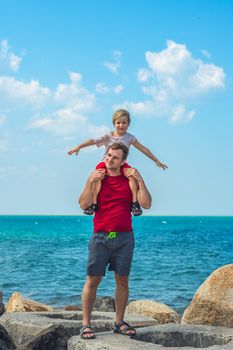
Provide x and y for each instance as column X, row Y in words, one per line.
column 206, row 323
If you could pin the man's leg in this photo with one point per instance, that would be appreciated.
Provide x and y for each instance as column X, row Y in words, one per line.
column 88, row 298
column 121, row 296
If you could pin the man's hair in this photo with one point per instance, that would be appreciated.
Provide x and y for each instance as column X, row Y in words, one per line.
column 121, row 113
column 119, row 145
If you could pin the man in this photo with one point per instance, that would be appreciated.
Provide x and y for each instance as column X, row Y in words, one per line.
column 112, row 242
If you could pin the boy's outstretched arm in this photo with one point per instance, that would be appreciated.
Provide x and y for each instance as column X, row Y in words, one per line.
column 149, row 154
column 82, row 145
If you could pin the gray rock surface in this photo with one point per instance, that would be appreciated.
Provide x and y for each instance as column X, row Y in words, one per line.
column 176, row 335
column 105, row 304
column 59, row 331
column 5, row 341
column 2, row 306
column 34, row 330
column 173, row 336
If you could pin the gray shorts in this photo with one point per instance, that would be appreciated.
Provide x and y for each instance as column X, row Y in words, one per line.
column 115, row 252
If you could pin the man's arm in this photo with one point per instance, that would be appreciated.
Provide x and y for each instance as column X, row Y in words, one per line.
column 86, row 197
column 144, row 197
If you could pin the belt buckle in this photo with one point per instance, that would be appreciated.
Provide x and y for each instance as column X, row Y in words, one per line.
column 111, row 235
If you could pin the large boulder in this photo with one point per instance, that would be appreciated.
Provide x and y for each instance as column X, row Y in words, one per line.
column 213, row 302
column 105, row 304
column 5, row 341
column 17, row 303
column 161, row 312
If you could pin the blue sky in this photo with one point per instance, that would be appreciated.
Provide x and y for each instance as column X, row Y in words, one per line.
column 66, row 66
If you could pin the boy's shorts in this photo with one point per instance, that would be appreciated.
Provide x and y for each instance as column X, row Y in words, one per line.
column 115, row 252
column 102, row 165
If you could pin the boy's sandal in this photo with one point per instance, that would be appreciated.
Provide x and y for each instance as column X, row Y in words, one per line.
column 83, row 333
column 136, row 209
column 125, row 331
column 90, row 211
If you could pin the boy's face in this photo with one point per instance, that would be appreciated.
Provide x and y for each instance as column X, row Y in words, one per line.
column 121, row 125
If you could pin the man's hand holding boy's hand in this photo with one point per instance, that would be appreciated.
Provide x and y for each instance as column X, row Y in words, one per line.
column 134, row 173
column 97, row 175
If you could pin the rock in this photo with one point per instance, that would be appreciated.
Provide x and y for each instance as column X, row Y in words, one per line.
column 163, row 337
column 5, row 341
column 33, row 330
column 161, row 312
column 18, row 304
column 2, row 306
column 72, row 308
column 105, row 304
column 55, row 337
column 213, row 302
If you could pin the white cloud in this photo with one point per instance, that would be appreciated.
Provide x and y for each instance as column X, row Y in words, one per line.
column 207, row 77
column 137, row 108
column 118, row 89
column 74, row 95
column 63, row 121
column 175, row 80
column 181, row 115
column 144, row 75
column 116, row 64
column 102, row 88
column 31, row 93
column 8, row 60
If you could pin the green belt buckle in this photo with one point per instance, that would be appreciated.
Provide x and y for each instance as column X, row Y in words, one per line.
column 111, row 234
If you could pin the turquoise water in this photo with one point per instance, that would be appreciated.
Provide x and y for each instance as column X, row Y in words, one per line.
column 44, row 257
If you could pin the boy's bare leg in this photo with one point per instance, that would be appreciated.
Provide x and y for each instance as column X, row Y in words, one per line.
column 95, row 190
column 88, row 298
column 133, row 184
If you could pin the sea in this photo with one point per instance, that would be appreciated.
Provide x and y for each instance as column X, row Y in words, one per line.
column 44, row 257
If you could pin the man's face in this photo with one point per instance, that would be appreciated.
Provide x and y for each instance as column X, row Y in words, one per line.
column 113, row 159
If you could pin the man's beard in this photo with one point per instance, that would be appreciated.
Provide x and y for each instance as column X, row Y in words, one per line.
column 111, row 166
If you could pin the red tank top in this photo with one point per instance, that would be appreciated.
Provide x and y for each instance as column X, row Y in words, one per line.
column 114, row 202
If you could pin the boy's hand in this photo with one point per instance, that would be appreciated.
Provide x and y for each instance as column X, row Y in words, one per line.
column 75, row 150
column 161, row 165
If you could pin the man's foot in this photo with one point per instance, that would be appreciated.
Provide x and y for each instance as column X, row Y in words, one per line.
column 124, row 328
column 90, row 211
column 86, row 332
column 136, row 209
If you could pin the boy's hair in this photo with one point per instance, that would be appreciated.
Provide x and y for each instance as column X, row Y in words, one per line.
column 121, row 113
column 119, row 145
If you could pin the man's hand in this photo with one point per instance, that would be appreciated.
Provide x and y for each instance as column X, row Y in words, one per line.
column 134, row 173
column 96, row 176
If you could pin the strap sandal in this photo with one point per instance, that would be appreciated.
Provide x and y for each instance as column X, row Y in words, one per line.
column 84, row 334
column 124, row 330
column 136, row 209
column 90, row 211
